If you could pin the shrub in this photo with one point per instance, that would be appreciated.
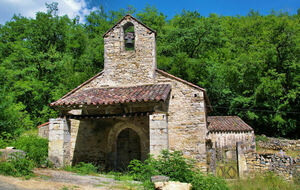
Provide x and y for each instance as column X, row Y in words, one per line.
column 36, row 148
column 17, row 166
column 82, row 168
column 178, row 168
column 3, row 143
column 262, row 138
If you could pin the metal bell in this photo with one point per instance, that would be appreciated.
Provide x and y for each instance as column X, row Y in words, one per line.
column 129, row 37
column 129, row 41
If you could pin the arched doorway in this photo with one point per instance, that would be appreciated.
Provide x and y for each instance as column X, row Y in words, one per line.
column 128, row 148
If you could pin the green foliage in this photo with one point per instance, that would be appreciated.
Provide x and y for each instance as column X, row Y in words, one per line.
column 177, row 168
column 262, row 138
column 36, row 148
column 267, row 181
column 248, row 64
column 82, row 168
column 17, row 166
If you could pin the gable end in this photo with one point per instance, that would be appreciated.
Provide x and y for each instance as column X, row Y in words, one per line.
column 128, row 15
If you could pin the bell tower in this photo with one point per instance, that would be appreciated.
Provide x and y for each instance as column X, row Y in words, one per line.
column 129, row 53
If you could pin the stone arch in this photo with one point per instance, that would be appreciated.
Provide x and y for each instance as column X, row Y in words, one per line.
column 129, row 35
column 113, row 137
column 128, row 148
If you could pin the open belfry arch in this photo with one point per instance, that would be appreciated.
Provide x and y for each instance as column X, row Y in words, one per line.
column 129, row 109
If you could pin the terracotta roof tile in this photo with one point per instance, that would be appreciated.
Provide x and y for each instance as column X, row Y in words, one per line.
column 115, row 95
column 227, row 123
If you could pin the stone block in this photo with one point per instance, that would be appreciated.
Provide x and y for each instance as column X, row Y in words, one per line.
column 172, row 185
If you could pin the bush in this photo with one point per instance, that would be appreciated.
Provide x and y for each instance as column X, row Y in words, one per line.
column 17, row 166
column 36, row 148
column 177, row 168
column 3, row 143
column 262, row 138
column 82, row 168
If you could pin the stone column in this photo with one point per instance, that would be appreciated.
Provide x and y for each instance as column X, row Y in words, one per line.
column 158, row 131
column 241, row 160
column 59, row 142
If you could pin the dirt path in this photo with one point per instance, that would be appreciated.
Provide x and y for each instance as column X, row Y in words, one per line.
column 48, row 179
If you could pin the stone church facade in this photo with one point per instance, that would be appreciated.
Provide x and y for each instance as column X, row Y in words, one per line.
column 132, row 109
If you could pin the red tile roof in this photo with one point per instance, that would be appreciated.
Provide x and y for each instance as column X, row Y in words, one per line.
column 115, row 95
column 227, row 124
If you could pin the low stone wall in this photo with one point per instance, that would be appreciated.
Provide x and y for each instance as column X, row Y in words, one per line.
column 279, row 144
column 284, row 166
column 44, row 131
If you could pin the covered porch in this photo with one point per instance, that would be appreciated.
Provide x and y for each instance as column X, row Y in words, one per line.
column 110, row 133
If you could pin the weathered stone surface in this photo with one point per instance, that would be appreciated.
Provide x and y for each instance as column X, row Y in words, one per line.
column 44, row 131
column 187, row 127
column 59, row 142
column 6, row 154
column 229, row 139
column 172, row 185
column 279, row 144
column 284, row 166
column 158, row 129
column 96, row 140
column 159, row 178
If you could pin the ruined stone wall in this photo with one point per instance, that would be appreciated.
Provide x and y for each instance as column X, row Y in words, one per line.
column 229, row 139
column 127, row 67
column 44, row 131
column 284, row 166
column 95, row 140
column 186, row 120
column 279, row 144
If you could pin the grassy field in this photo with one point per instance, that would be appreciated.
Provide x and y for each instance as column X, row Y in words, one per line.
column 264, row 182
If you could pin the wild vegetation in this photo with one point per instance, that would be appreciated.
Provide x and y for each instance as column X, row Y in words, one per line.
column 18, row 165
column 177, row 168
column 267, row 181
column 248, row 64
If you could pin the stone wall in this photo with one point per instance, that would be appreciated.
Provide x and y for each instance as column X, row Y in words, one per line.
column 44, row 131
column 186, row 120
column 250, row 162
column 186, row 114
column 125, row 67
column 158, row 127
column 59, row 142
column 279, row 144
column 229, row 139
column 95, row 140
column 285, row 166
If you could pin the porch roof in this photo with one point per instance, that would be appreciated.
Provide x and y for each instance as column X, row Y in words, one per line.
column 115, row 95
column 227, row 124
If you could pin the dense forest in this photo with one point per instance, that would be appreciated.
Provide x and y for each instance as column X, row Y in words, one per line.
column 250, row 65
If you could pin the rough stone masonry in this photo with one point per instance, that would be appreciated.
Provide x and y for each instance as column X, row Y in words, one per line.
column 131, row 109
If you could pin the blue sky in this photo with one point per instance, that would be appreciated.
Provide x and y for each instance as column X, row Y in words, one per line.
column 205, row 7
column 72, row 8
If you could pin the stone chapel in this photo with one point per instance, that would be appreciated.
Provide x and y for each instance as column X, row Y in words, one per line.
column 132, row 109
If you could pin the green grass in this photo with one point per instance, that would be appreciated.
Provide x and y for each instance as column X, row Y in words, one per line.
column 82, row 169
column 268, row 181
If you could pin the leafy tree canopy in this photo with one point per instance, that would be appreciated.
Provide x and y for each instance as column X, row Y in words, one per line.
column 250, row 65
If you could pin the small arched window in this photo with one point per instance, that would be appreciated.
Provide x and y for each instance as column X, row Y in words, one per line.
column 129, row 36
